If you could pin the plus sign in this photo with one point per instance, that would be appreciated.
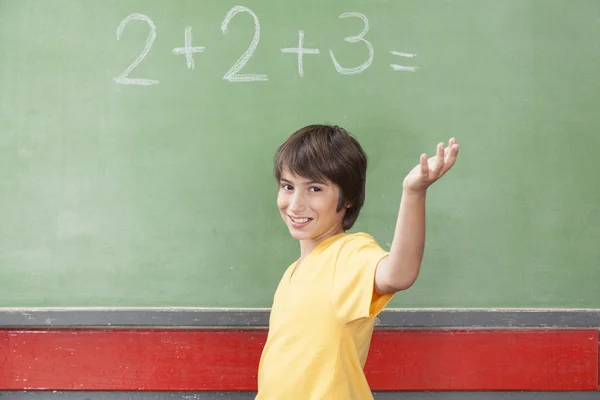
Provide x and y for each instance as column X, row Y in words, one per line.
column 301, row 51
column 188, row 50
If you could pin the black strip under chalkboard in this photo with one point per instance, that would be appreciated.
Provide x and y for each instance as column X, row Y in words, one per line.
column 259, row 318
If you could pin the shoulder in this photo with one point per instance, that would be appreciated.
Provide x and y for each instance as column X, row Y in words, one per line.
column 358, row 239
column 354, row 244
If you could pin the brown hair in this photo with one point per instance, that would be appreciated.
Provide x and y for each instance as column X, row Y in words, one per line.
column 326, row 152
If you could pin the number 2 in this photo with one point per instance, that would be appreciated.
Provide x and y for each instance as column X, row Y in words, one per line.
column 355, row 39
column 123, row 78
column 232, row 75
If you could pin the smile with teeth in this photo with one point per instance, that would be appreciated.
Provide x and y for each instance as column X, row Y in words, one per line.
column 298, row 220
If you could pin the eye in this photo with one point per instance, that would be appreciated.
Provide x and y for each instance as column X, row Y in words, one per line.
column 315, row 189
column 286, row 186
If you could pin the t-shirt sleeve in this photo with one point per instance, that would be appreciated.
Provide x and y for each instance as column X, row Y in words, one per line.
column 354, row 296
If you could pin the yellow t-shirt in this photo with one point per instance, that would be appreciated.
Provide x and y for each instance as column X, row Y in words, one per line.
column 321, row 323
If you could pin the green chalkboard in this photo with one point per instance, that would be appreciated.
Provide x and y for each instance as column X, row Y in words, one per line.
column 136, row 170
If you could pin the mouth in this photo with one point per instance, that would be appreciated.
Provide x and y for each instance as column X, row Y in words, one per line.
column 299, row 222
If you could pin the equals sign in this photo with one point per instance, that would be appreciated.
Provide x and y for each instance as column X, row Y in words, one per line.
column 397, row 67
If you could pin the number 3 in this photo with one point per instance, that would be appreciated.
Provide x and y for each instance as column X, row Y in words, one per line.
column 355, row 39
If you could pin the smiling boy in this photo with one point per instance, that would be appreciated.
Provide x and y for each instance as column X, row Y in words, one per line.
column 324, row 308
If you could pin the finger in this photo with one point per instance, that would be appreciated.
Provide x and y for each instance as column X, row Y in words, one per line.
column 447, row 150
column 424, row 165
column 452, row 155
column 439, row 165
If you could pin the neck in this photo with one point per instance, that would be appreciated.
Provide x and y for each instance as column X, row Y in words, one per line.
column 307, row 246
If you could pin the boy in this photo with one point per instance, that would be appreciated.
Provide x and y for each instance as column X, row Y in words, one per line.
column 324, row 308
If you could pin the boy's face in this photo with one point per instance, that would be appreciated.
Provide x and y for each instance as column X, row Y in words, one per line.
column 308, row 208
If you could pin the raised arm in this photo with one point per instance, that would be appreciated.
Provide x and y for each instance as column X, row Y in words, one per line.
column 400, row 269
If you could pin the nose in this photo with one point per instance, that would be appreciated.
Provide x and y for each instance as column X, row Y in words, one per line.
column 297, row 203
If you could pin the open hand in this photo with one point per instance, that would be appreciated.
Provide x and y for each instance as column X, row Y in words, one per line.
column 430, row 170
